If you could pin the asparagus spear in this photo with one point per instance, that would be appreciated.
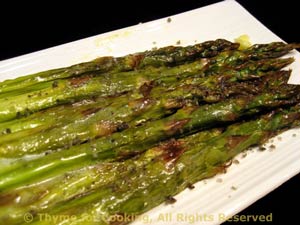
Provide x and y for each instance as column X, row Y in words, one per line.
column 128, row 113
column 133, row 141
column 273, row 49
column 176, row 166
column 54, row 116
column 167, row 56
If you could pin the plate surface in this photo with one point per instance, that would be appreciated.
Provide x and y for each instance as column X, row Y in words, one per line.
column 226, row 194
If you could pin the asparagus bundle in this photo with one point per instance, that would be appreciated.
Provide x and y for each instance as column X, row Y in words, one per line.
column 164, row 171
column 126, row 113
column 67, row 90
column 133, row 141
column 179, row 166
column 93, row 176
column 167, row 56
column 118, row 136
column 246, row 71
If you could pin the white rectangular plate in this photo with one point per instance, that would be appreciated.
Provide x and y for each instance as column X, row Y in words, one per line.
column 255, row 175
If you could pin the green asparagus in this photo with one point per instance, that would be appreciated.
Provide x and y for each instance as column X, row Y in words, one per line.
column 133, row 141
column 78, row 88
column 166, row 56
column 126, row 113
column 72, row 89
column 77, row 182
column 177, row 165
column 60, row 115
column 118, row 136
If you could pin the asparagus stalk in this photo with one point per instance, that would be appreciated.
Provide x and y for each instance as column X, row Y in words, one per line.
column 176, row 166
column 129, row 113
column 273, row 50
column 167, row 56
column 55, row 116
column 136, row 140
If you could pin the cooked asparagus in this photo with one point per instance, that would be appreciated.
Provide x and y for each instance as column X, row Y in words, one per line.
column 72, row 89
column 167, row 56
column 124, row 113
column 127, row 143
column 58, row 116
column 77, row 182
column 68, row 90
column 119, row 136
column 177, row 164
